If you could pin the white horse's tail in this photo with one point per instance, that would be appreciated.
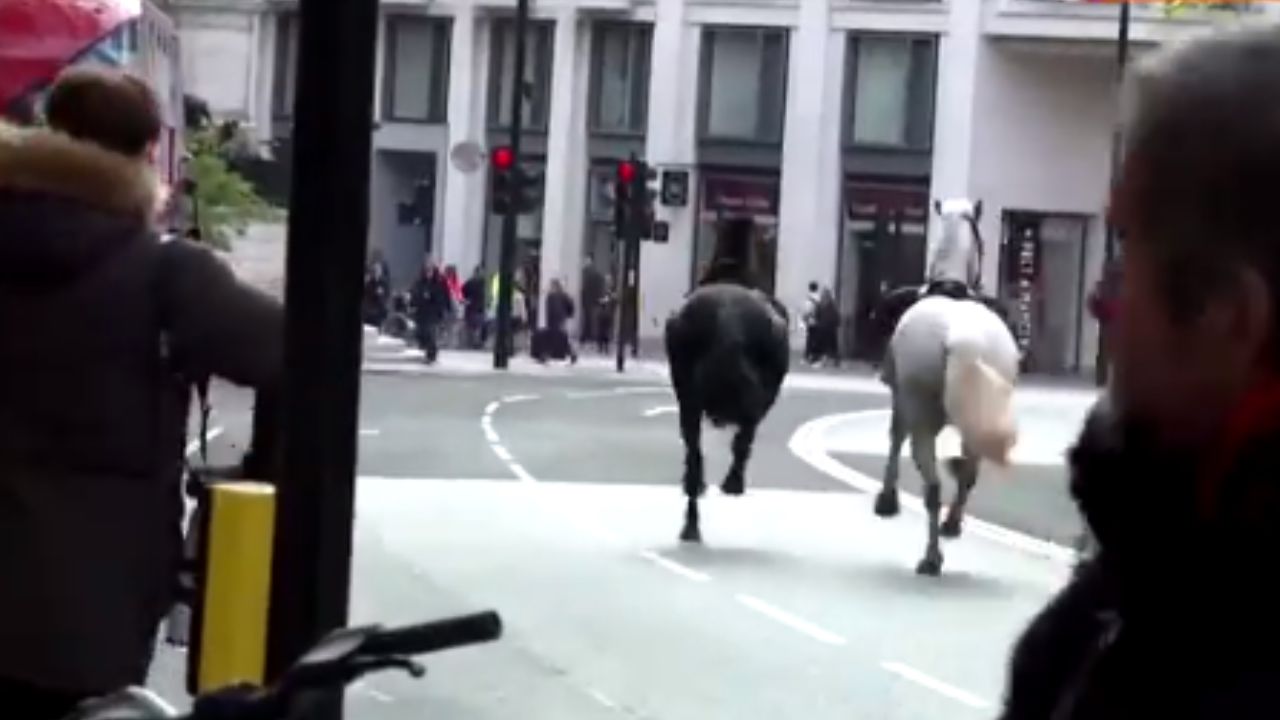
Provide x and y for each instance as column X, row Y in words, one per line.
column 979, row 401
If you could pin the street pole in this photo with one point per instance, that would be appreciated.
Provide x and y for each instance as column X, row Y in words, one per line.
column 1117, row 157
column 503, row 344
column 630, row 236
column 328, row 231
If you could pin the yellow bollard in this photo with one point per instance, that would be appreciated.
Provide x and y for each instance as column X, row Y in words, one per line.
column 237, row 585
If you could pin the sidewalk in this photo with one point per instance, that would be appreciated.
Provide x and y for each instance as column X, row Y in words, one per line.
column 389, row 356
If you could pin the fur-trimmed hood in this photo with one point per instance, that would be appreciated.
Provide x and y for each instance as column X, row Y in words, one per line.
column 66, row 204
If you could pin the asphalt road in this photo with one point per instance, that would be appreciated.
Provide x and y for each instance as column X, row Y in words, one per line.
column 555, row 499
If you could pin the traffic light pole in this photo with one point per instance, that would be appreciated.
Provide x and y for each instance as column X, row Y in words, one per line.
column 503, row 344
column 629, row 234
column 328, row 232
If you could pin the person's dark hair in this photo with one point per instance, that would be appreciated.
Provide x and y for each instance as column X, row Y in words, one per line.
column 110, row 108
column 194, row 234
column 1203, row 163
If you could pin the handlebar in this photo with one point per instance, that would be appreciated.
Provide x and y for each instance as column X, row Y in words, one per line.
column 435, row 636
column 343, row 657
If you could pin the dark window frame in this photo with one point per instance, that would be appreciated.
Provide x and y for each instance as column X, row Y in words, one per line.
column 921, row 92
column 541, row 38
column 705, row 78
column 639, row 38
column 441, row 29
column 284, row 82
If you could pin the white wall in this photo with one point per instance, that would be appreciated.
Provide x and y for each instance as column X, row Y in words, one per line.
column 219, row 52
column 1041, row 142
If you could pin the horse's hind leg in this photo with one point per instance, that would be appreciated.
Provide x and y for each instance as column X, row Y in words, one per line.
column 735, row 482
column 925, row 456
column 887, row 500
column 694, row 486
column 965, row 471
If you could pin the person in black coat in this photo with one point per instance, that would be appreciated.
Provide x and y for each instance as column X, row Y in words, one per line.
column 1177, row 615
column 432, row 305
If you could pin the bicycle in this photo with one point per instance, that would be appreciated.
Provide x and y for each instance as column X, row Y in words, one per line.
column 340, row 659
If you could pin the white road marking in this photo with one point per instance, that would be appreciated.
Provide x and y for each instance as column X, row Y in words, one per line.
column 603, row 699
column 518, row 398
column 942, row 688
column 807, row 444
column 370, row 432
column 502, row 453
column 683, row 571
column 490, row 435
column 491, row 408
column 194, row 446
column 794, row 622
column 523, row 475
column 661, row 410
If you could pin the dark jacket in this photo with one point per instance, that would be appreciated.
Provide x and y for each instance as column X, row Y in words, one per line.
column 1176, row 616
column 92, row 420
column 559, row 310
column 431, row 300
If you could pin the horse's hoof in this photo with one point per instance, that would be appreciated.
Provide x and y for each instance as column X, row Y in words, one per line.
column 930, row 566
column 951, row 527
column 887, row 504
column 733, row 486
column 691, row 534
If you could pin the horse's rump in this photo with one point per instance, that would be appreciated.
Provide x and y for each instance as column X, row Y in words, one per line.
column 964, row 353
column 729, row 345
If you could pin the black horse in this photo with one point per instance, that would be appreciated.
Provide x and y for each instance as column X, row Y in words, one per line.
column 728, row 353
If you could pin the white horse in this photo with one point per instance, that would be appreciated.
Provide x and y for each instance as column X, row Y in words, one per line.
column 951, row 361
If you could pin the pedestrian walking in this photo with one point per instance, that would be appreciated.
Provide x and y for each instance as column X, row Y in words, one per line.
column 104, row 328
column 473, row 299
column 432, row 306
column 553, row 341
column 377, row 290
column 1175, row 472
column 809, row 319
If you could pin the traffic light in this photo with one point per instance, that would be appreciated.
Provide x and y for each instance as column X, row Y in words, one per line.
column 501, row 179
column 622, row 186
column 645, row 197
column 528, row 190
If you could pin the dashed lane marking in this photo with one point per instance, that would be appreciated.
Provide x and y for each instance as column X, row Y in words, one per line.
column 942, row 688
column 795, row 622
column 661, row 410
column 683, row 571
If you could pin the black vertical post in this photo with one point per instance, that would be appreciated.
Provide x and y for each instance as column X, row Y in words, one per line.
column 629, row 234
column 328, row 226
column 503, row 344
column 1117, row 156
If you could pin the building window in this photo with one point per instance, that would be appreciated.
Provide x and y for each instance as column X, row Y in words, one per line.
column 620, row 88
column 892, row 91
column 745, row 81
column 416, row 71
column 537, row 74
column 286, row 76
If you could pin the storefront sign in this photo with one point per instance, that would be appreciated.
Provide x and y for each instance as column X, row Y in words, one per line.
column 866, row 201
column 748, row 196
column 1026, row 272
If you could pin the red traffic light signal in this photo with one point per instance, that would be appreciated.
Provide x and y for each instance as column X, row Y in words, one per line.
column 503, row 158
column 626, row 171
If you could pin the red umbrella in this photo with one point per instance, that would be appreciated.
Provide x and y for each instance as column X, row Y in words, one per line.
column 38, row 38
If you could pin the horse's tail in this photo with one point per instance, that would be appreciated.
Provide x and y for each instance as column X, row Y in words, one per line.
column 979, row 401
